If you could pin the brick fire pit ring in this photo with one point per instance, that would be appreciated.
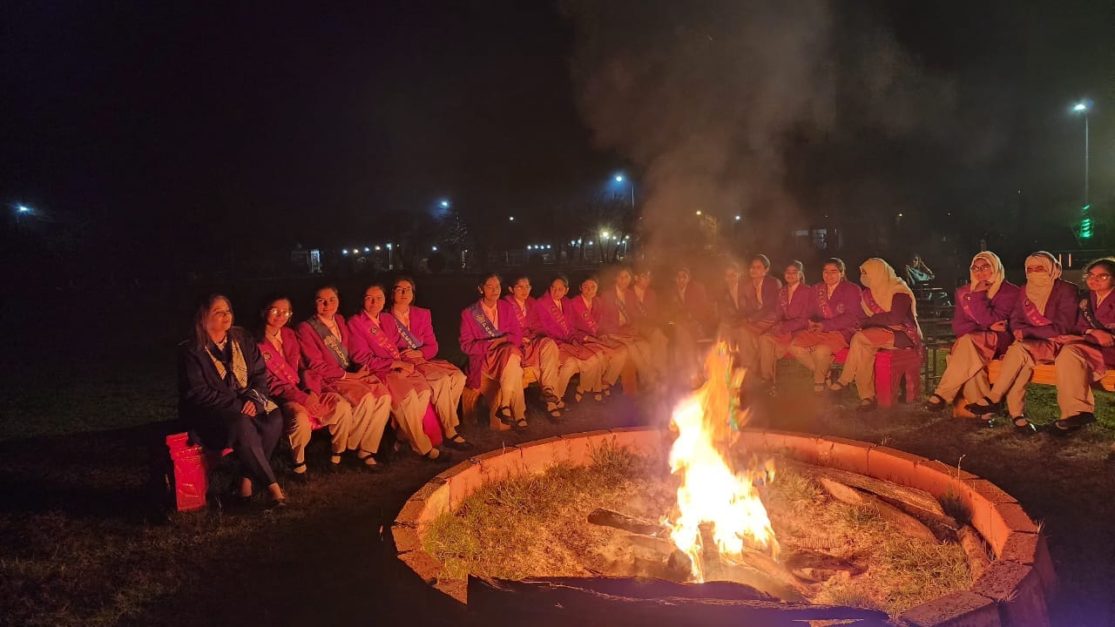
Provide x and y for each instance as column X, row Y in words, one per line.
column 1013, row 591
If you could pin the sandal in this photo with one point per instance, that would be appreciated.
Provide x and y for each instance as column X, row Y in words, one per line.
column 459, row 442
column 937, row 406
column 302, row 476
column 549, row 396
column 504, row 414
column 368, row 462
column 1022, row 426
column 1074, row 422
column 867, row 405
column 521, row 423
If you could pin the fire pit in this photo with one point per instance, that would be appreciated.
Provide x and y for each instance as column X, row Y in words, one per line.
column 648, row 546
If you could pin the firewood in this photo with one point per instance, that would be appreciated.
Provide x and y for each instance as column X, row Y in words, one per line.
column 974, row 549
column 907, row 523
column 916, row 502
column 502, row 602
column 609, row 518
column 813, row 566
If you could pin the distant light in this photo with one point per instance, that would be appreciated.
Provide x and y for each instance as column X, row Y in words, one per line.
column 590, row 242
column 1080, row 107
column 626, row 237
column 389, row 246
column 572, row 242
column 511, row 218
column 698, row 212
column 548, row 247
column 530, row 247
column 344, row 251
column 434, row 248
column 619, row 178
column 604, row 235
column 900, row 215
column 578, row 240
column 377, row 246
column 367, row 250
column 737, row 218
column 23, row 209
column 444, row 203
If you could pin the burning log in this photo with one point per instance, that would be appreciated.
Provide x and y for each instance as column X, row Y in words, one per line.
column 609, row 518
column 567, row 601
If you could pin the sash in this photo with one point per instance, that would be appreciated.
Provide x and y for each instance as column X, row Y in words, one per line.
column 1033, row 316
column 408, row 337
column 586, row 315
column 482, row 320
column 277, row 363
column 823, row 303
column 911, row 331
column 332, row 342
column 381, row 339
column 622, row 310
column 558, row 316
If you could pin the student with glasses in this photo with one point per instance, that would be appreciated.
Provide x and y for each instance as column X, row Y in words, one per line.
column 307, row 401
column 1086, row 360
column 1041, row 322
column 980, row 323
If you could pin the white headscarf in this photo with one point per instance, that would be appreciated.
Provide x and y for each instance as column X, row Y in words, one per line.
column 879, row 277
column 1038, row 287
column 998, row 275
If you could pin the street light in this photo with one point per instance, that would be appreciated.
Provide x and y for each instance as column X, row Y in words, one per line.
column 510, row 218
column 620, row 178
column 444, row 203
column 1083, row 107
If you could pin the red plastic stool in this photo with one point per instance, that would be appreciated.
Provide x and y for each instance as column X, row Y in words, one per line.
column 431, row 426
column 891, row 366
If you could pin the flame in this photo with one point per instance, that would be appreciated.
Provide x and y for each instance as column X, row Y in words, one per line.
column 711, row 492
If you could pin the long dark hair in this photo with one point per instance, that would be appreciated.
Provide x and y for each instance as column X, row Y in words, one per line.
column 201, row 336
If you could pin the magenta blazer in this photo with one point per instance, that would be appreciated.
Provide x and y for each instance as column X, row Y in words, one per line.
column 371, row 345
column 528, row 320
column 1102, row 318
column 1061, row 312
column 283, row 377
column 843, row 312
column 475, row 340
column 421, row 327
column 555, row 324
column 594, row 322
column 319, row 359
column 976, row 312
column 794, row 313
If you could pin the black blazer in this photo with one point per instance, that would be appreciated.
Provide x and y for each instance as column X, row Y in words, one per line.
column 201, row 393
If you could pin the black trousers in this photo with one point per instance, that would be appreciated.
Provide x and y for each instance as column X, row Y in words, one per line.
column 253, row 438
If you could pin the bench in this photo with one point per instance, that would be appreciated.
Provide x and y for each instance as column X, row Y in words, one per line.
column 891, row 367
column 1044, row 374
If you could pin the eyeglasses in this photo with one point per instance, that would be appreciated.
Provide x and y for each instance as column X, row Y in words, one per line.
column 980, row 268
column 1098, row 277
column 284, row 313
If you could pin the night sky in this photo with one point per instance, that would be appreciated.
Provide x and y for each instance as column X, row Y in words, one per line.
column 164, row 121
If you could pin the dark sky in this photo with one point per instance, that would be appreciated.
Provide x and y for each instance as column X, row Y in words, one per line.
column 188, row 117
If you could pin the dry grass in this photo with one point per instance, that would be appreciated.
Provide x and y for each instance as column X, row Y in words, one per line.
column 535, row 525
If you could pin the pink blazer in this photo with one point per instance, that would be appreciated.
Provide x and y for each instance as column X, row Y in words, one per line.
column 371, row 344
column 318, row 357
column 421, row 327
column 587, row 321
column 553, row 323
column 475, row 340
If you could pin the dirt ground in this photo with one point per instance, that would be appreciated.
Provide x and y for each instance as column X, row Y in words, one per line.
column 89, row 517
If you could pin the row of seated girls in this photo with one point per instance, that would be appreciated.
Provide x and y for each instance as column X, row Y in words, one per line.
column 1045, row 321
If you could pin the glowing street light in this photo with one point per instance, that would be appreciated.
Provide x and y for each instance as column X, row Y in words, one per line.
column 443, row 203
column 1082, row 108
column 433, row 248
column 377, row 248
column 620, row 179
column 604, row 235
column 698, row 212
column 22, row 209
column 738, row 218
column 510, row 218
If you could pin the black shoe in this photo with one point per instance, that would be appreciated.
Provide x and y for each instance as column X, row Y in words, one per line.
column 442, row 458
column 300, row 477
column 1072, row 423
column 334, row 468
column 867, row 405
column 504, row 415
column 940, row 405
column 1022, row 426
column 549, row 396
column 983, row 407
column 458, row 442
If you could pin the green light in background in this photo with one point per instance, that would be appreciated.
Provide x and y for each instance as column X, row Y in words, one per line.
column 1085, row 222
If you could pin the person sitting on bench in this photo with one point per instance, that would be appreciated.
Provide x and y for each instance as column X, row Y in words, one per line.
column 980, row 323
column 1042, row 318
column 836, row 317
column 892, row 322
column 492, row 339
column 222, row 394
column 1082, row 362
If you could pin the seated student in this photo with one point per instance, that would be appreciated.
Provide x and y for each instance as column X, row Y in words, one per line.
column 891, row 322
column 980, row 324
column 555, row 319
column 1040, row 322
column 835, row 317
column 327, row 350
column 491, row 337
column 748, row 307
column 305, row 398
column 412, row 330
column 410, row 393
column 690, row 314
column 540, row 353
column 222, row 395
column 649, row 319
column 796, row 304
column 1086, row 360
column 613, row 348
